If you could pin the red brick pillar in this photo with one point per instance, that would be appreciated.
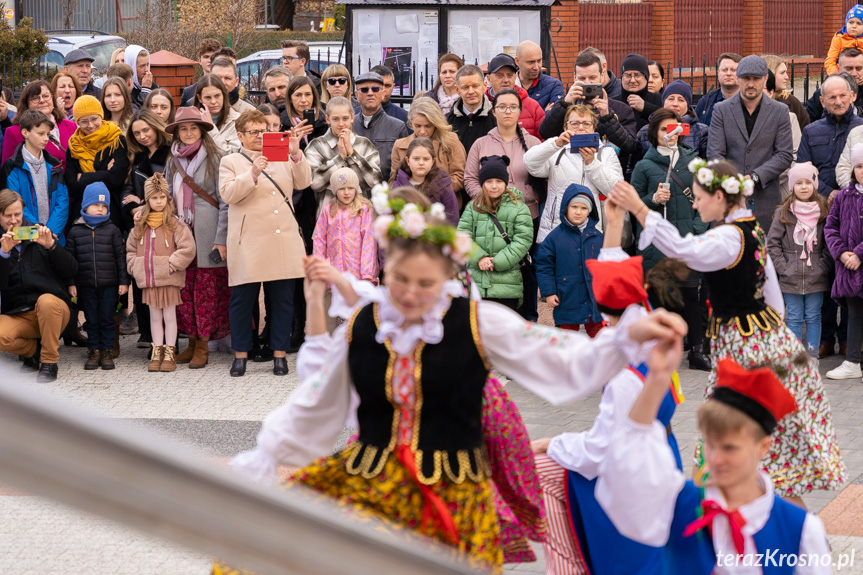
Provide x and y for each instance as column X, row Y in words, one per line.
column 566, row 45
column 172, row 72
column 753, row 27
column 834, row 16
column 661, row 31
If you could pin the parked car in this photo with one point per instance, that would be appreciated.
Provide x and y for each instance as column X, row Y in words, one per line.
column 251, row 69
column 98, row 44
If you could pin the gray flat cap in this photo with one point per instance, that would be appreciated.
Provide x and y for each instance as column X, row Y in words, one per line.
column 752, row 65
column 369, row 77
column 77, row 55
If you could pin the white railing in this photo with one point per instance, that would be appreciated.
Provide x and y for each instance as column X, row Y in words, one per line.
column 143, row 481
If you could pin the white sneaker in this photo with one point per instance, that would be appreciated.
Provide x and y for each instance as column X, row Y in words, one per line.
column 847, row 370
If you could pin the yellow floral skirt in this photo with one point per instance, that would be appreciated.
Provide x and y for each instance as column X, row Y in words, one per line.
column 394, row 497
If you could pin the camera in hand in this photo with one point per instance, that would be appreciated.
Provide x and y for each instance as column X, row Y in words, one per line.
column 591, row 91
column 24, row 233
column 583, row 141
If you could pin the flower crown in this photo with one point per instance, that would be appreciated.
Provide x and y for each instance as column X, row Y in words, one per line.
column 729, row 184
column 399, row 219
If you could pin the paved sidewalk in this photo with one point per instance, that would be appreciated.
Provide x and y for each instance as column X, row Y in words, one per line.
column 218, row 416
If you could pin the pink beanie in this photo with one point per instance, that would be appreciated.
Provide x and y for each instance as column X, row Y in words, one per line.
column 804, row 170
column 856, row 155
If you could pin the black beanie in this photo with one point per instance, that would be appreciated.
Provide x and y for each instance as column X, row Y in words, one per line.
column 493, row 167
column 635, row 63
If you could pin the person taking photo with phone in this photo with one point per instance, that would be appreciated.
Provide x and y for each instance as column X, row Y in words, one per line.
column 597, row 168
column 664, row 182
column 34, row 313
column 615, row 120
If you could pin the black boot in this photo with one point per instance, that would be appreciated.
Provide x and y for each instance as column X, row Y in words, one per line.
column 47, row 373
column 698, row 360
column 32, row 363
column 238, row 368
column 280, row 366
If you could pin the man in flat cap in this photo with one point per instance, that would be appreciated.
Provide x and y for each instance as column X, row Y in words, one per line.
column 753, row 132
column 79, row 63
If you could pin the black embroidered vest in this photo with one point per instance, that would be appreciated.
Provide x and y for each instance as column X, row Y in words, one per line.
column 736, row 291
column 449, row 376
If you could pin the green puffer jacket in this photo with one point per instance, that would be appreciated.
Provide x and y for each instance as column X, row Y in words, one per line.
column 647, row 176
column 505, row 281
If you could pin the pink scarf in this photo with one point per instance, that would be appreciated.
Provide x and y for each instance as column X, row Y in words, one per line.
column 806, row 229
column 184, row 196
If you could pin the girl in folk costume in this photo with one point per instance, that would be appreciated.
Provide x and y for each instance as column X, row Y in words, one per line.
column 419, row 451
column 746, row 323
column 737, row 522
column 158, row 251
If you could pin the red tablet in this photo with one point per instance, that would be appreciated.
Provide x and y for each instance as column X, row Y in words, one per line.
column 277, row 146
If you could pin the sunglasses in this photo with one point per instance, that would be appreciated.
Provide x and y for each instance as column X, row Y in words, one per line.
column 365, row 89
column 340, row 81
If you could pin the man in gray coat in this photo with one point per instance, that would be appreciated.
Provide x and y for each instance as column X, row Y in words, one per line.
column 753, row 132
column 373, row 122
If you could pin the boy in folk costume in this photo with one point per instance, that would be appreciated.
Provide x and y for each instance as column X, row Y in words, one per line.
column 736, row 523
column 581, row 538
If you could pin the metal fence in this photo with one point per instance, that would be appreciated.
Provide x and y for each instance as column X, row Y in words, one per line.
column 707, row 29
column 617, row 29
column 15, row 73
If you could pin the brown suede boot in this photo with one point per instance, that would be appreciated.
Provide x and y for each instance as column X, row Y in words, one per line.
column 186, row 356
column 107, row 359
column 168, row 362
column 156, row 361
column 202, row 354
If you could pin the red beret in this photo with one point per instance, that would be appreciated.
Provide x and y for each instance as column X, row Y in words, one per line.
column 617, row 285
column 757, row 392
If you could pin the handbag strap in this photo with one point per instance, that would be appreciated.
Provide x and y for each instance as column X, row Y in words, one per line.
column 503, row 234
column 195, row 187
column 278, row 187
column 287, row 201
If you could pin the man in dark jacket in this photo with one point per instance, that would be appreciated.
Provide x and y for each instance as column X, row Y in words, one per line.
column 206, row 49
column 79, row 63
column 373, row 122
column 540, row 87
column 851, row 62
column 471, row 116
column 616, row 119
column 634, row 73
column 389, row 79
column 822, row 143
column 34, row 304
column 823, row 140
column 610, row 83
column 726, row 77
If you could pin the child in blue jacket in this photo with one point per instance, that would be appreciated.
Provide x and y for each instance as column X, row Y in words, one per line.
column 37, row 176
column 563, row 278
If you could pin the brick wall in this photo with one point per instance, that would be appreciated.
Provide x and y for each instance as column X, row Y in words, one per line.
column 661, row 31
column 565, row 39
column 174, row 79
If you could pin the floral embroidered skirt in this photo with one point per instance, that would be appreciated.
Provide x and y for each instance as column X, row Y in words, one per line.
column 394, row 497
column 805, row 453
column 206, row 298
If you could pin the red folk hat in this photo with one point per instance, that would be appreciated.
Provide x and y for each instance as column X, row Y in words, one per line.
column 617, row 285
column 757, row 392
column 188, row 114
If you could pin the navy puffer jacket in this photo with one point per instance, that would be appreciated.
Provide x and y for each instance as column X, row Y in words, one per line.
column 560, row 263
column 100, row 253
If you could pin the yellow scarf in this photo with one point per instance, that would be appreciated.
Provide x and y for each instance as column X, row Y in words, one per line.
column 155, row 219
column 84, row 148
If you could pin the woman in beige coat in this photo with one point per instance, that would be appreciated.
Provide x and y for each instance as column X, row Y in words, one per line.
column 264, row 240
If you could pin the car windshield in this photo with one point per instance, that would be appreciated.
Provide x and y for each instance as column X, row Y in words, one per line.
column 102, row 53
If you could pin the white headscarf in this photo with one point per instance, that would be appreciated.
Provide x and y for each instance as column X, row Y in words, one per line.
column 130, row 57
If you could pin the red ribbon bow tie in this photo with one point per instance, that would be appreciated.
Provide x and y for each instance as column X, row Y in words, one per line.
column 710, row 509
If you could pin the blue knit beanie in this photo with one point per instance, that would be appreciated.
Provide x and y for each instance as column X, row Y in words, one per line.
column 96, row 193
column 680, row 88
column 856, row 11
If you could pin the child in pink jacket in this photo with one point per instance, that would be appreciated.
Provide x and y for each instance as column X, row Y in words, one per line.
column 343, row 234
